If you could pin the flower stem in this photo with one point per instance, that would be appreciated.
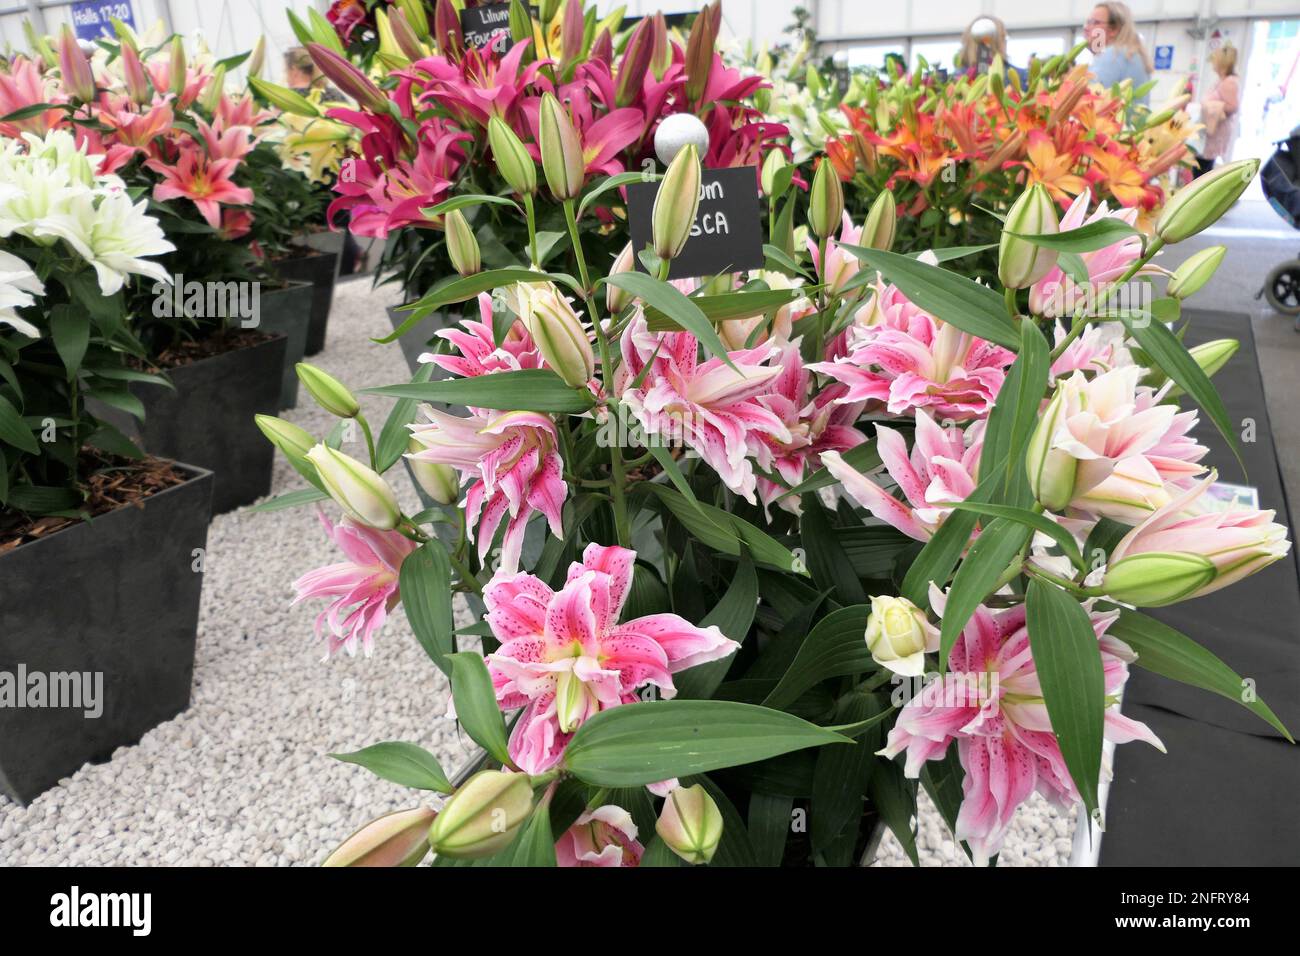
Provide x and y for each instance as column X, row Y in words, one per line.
column 370, row 440
column 532, row 230
column 577, row 251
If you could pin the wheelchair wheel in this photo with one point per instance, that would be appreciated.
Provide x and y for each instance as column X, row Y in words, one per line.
column 1282, row 288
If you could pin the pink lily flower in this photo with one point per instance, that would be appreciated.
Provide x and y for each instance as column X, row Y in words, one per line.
column 907, row 359
column 479, row 353
column 1096, row 350
column 1238, row 542
column 363, row 588
column 992, row 706
column 233, row 142
column 605, row 837
column 24, row 86
column 1056, row 294
column 817, row 424
column 711, row 406
column 204, row 182
column 939, row 472
column 479, row 86
column 196, row 78
column 132, row 128
column 241, row 111
column 516, row 468
column 565, row 657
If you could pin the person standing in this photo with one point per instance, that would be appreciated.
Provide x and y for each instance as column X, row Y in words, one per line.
column 1118, row 53
column 1219, row 109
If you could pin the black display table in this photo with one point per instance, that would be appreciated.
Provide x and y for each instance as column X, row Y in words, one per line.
column 1225, row 793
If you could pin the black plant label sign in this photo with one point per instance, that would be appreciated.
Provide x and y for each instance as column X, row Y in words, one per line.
column 487, row 25
column 727, row 235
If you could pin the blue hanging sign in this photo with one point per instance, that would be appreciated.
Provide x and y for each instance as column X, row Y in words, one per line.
column 91, row 18
column 1164, row 57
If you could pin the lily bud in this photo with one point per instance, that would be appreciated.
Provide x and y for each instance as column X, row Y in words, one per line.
column 137, row 83
column 1052, row 472
column 513, row 161
column 77, row 75
column 634, row 66
column 663, row 51
column 1021, row 263
column 329, row 393
column 882, row 219
column 215, row 90
column 572, row 29
column 676, row 203
column 482, row 817
column 562, row 159
column 616, row 299
column 1154, row 579
column 285, row 99
column 462, row 247
column 360, row 491
column 700, row 50
column 295, row 442
column 690, row 824
column 825, row 201
column 258, row 57
column 395, row 839
column 348, row 78
column 446, row 27
column 178, row 70
column 389, row 53
column 1195, row 272
column 413, row 11
column 521, row 23
column 404, row 35
column 774, row 163
column 557, row 330
column 898, row 635
column 1204, row 200
column 1212, row 356
column 439, row 481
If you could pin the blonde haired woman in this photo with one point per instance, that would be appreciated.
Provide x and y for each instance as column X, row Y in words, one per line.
column 1219, row 108
column 983, row 39
column 1118, row 53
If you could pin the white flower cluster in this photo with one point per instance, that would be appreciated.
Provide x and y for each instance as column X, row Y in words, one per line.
column 52, row 191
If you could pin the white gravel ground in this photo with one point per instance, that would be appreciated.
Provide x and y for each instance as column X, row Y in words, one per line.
column 242, row 777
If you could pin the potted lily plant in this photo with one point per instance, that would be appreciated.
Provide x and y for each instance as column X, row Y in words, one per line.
column 811, row 542
column 224, row 329
column 97, row 539
column 461, row 104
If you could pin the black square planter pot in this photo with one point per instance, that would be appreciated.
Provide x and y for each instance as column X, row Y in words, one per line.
column 288, row 310
column 117, row 597
column 208, row 419
column 321, row 270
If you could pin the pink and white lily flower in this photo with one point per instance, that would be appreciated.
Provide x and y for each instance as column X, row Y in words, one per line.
column 939, row 472
column 841, row 266
column 363, row 588
column 479, row 353
column 906, row 359
column 565, row 657
column 605, row 836
column 992, row 705
column 517, row 470
column 715, row 408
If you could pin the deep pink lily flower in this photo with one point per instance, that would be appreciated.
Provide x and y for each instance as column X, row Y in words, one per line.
column 565, row 657
column 939, row 472
column 605, row 836
column 362, row 589
column 713, row 407
column 992, row 706
column 516, row 468
column 907, row 359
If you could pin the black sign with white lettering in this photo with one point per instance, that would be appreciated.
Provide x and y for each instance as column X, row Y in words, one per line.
column 728, row 233
column 487, row 25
